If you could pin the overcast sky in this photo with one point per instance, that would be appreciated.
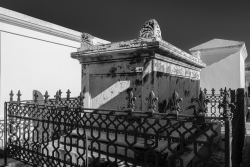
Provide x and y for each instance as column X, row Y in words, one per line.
column 185, row 23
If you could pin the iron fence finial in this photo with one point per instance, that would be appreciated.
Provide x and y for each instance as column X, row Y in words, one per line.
column 56, row 96
column 131, row 100
column 202, row 104
column 205, row 91
column 81, row 97
column 35, row 96
column 19, row 96
column 152, row 102
column 68, row 94
column 213, row 91
column 46, row 96
column 11, row 95
column 226, row 103
column 174, row 102
column 221, row 91
column 59, row 95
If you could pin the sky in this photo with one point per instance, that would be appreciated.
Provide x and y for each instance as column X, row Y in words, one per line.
column 183, row 23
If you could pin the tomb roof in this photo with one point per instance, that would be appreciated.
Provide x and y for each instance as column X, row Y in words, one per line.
column 149, row 39
column 216, row 44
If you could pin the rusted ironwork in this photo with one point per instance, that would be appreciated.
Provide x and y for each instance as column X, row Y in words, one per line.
column 19, row 96
column 35, row 96
column 68, row 94
column 46, row 96
column 174, row 103
column 131, row 100
column 62, row 132
column 226, row 103
column 201, row 107
column 152, row 102
column 11, row 95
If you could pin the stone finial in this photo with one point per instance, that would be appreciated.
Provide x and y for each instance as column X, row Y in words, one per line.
column 196, row 54
column 86, row 40
column 150, row 29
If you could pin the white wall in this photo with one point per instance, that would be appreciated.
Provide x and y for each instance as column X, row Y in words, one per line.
column 224, row 73
column 35, row 54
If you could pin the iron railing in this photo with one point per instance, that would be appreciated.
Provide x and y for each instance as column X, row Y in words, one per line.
column 62, row 132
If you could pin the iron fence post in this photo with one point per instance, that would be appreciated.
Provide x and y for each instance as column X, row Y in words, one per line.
column 227, row 142
column 5, row 134
column 227, row 106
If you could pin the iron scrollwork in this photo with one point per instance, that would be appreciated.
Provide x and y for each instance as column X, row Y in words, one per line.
column 152, row 102
column 174, row 103
column 131, row 100
column 226, row 103
column 202, row 102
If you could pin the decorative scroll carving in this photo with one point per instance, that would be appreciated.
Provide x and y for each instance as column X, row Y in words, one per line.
column 150, row 29
column 202, row 104
column 86, row 40
column 131, row 100
column 173, row 103
column 173, row 69
column 226, row 103
column 152, row 102
column 196, row 54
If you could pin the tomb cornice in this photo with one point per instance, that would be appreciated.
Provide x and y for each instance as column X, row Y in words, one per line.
column 133, row 49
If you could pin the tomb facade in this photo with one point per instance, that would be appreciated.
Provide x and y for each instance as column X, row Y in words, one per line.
column 148, row 67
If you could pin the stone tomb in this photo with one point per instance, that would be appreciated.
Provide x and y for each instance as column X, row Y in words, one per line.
column 147, row 68
column 143, row 65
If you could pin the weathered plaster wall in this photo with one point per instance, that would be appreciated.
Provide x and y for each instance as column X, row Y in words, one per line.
column 226, row 72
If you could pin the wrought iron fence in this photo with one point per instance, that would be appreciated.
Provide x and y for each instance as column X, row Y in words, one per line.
column 238, row 128
column 62, row 132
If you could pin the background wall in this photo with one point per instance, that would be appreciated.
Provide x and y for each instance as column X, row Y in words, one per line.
column 224, row 73
column 225, row 61
column 35, row 54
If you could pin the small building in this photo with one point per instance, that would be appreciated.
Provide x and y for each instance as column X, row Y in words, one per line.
column 34, row 54
column 225, row 62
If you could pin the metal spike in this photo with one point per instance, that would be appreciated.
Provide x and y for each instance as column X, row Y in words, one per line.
column 152, row 102
column 56, row 96
column 59, row 95
column 35, row 96
column 131, row 100
column 213, row 90
column 19, row 96
column 11, row 95
column 68, row 94
column 205, row 91
column 221, row 91
column 46, row 96
column 81, row 97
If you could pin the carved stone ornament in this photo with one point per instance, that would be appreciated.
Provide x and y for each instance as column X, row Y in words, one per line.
column 86, row 40
column 202, row 104
column 197, row 54
column 150, row 29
